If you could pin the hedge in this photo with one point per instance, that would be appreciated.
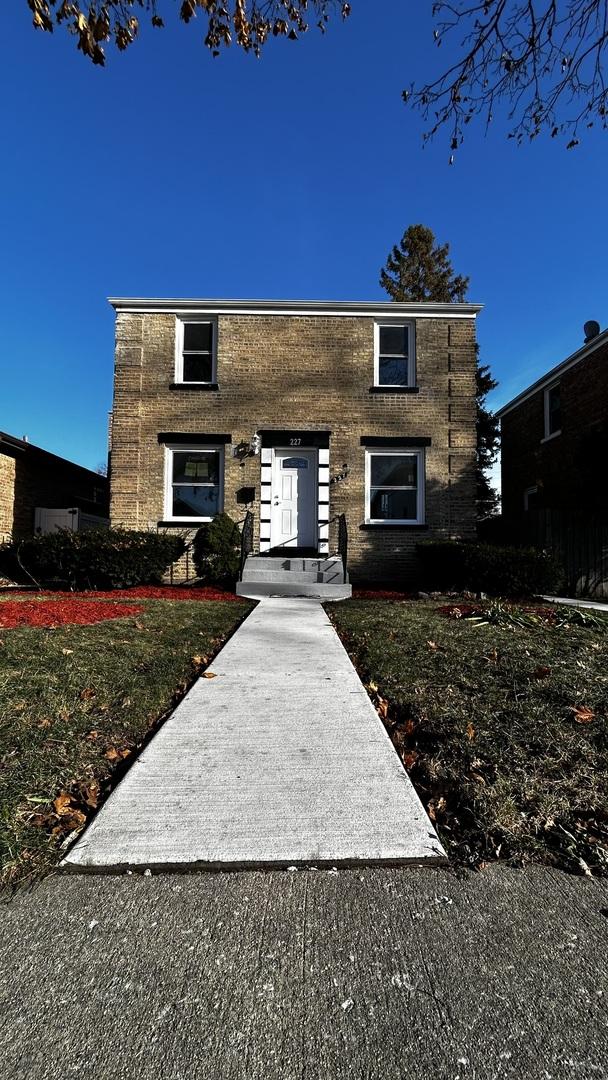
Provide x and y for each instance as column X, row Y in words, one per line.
column 93, row 559
column 499, row 571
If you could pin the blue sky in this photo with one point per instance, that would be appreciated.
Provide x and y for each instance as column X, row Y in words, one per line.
column 169, row 173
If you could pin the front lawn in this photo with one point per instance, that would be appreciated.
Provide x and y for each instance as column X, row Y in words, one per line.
column 77, row 701
column 502, row 727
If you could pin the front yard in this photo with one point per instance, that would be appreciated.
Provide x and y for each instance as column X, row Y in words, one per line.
column 502, row 727
column 76, row 702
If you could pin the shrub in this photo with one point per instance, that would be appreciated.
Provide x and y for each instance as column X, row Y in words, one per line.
column 500, row 571
column 97, row 558
column 216, row 550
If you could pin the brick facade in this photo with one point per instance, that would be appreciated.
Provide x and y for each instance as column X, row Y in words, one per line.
column 301, row 372
column 7, row 496
column 32, row 477
column 569, row 469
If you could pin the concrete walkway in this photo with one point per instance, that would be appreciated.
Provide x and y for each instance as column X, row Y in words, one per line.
column 369, row 973
column 280, row 759
column 595, row 605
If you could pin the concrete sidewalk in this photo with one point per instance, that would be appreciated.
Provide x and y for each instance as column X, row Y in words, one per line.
column 371, row 973
column 280, row 759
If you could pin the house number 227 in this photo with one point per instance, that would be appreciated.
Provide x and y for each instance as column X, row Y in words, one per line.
column 295, row 442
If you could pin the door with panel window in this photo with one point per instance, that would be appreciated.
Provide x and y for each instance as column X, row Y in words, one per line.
column 293, row 520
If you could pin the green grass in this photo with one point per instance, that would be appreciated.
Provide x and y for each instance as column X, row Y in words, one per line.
column 484, row 718
column 76, row 703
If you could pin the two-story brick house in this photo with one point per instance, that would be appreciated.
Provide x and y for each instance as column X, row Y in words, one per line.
column 554, row 437
column 299, row 411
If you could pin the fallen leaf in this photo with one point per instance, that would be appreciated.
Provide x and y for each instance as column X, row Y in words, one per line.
column 200, row 661
column 372, row 686
column 382, row 707
column 582, row 714
column 72, row 820
column 541, row 672
column 87, row 693
column 62, row 804
column 67, row 652
column 209, row 675
column 410, row 758
column 45, row 722
column 470, row 731
column 90, row 794
column 116, row 755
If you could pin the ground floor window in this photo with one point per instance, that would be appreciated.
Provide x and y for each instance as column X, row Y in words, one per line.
column 193, row 483
column 394, row 486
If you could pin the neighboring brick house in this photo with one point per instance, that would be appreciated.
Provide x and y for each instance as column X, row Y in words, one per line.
column 31, row 477
column 361, row 409
column 554, row 438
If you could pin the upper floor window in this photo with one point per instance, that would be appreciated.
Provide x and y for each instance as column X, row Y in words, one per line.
column 394, row 487
column 195, row 361
column 553, row 411
column 193, row 483
column 394, row 354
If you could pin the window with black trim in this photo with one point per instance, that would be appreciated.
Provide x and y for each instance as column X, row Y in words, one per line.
column 394, row 487
column 196, row 351
column 193, row 482
column 394, row 357
column 553, row 411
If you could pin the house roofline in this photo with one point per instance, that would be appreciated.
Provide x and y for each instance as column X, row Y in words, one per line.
column 10, row 444
column 178, row 306
column 551, row 376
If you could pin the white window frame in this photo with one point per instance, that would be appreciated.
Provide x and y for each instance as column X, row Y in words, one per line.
column 527, row 493
column 179, row 350
column 410, row 326
column 174, row 448
column 547, row 392
column 395, row 451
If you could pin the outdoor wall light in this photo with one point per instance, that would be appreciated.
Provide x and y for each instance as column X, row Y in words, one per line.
column 342, row 475
column 246, row 449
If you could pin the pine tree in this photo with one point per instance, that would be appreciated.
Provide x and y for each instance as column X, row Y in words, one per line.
column 419, row 269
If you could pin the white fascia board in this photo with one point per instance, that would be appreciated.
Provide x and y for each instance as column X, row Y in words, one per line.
column 554, row 374
column 380, row 310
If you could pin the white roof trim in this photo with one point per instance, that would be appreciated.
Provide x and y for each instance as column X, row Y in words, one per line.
column 554, row 374
column 381, row 309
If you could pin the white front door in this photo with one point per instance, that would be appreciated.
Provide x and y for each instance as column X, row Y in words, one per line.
column 293, row 520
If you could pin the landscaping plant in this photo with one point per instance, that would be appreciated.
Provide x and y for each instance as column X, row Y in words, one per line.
column 499, row 571
column 216, row 550
column 95, row 559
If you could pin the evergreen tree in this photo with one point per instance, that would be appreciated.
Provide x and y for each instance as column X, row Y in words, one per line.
column 419, row 269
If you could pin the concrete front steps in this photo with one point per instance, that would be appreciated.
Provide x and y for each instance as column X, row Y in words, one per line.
column 321, row 578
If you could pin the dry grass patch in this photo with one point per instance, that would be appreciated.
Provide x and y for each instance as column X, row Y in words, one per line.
column 76, row 703
column 501, row 725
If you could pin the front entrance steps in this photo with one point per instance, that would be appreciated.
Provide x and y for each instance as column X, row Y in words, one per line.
column 322, row 578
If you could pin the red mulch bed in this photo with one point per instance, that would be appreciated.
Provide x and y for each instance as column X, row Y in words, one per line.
column 379, row 594
column 141, row 592
column 53, row 613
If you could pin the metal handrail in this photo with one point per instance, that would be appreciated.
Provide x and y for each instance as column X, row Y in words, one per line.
column 342, row 540
column 246, row 540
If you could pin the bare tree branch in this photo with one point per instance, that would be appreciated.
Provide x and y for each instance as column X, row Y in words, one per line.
column 247, row 23
column 543, row 60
